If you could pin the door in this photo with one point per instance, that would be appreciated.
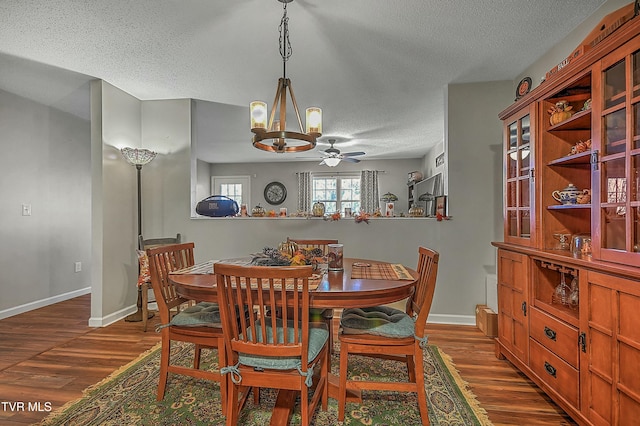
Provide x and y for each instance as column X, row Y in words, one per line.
column 519, row 220
column 513, row 306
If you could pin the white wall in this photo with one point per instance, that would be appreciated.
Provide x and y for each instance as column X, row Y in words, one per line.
column 553, row 57
column 44, row 163
column 116, row 123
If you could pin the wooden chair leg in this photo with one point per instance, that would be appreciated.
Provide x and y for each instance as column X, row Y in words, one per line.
column 144, row 288
column 342, row 397
column 196, row 356
column 232, row 402
column 422, row 393
column 164, row 367
column 411, row 367
column 326, row 368
column 222, row 360
column 304, row 405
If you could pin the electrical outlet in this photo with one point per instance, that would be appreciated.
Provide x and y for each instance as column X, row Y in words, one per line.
column 78, row 266
column 26, row 210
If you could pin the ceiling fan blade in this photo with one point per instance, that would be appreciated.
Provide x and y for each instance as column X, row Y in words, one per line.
column 353, row 154
column 322, row 163
column 351, row 160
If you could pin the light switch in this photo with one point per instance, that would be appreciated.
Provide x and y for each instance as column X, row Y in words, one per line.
column 26, row 210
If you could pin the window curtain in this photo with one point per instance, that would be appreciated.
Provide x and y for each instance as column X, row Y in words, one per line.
column 304, row 191
column 369, row 198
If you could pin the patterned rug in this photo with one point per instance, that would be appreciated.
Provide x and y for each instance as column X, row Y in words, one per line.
column 128, row 397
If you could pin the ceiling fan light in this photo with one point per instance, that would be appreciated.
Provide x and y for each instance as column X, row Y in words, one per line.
column 331, row 162
column 314, row 120
column 258, row 110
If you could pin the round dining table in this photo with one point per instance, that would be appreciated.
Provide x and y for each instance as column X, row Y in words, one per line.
column 337, row 289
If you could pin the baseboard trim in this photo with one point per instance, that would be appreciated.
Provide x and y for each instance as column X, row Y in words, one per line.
column 114, row 317
column 43, row 302
column 452, row 319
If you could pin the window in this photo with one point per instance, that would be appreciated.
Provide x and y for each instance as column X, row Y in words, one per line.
column 337, row 193
column 235, row 187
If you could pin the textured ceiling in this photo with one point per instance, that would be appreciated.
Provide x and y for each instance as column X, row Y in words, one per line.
column 377, row 68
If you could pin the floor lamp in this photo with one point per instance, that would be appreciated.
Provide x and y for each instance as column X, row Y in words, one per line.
column 138, row 157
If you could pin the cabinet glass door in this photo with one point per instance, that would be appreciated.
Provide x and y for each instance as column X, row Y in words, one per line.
column 519, row 170
column 619, row 215
column 635, row 152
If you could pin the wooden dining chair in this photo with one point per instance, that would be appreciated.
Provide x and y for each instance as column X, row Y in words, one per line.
column 198, row 324
column 390, row 333
column 144, row 282
column 324, row 315
column 255, row 358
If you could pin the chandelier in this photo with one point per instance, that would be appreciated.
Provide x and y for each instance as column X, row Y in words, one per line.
column 274, row 136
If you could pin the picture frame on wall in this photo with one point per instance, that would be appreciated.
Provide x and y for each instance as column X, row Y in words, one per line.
column 440, row 160
column 441, row 205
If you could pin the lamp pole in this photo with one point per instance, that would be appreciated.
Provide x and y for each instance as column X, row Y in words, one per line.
column 138, row 157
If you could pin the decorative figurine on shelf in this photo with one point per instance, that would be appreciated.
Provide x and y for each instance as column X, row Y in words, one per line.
column 585, row 197
column 581, row 147
column 318, row 209
column 362, row 217
column 560, row 112
column 587, row 105
column 258, row 211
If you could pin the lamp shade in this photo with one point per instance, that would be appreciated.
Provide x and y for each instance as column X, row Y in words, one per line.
column 389, row 197
column 137, row 156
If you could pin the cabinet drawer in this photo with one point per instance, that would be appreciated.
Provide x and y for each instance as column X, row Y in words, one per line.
column 557, row 336
column 559, row 375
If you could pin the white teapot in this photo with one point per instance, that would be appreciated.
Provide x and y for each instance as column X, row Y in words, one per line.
column 568, row 195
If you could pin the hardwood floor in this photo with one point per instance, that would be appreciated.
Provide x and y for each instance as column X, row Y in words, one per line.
column 50, row 356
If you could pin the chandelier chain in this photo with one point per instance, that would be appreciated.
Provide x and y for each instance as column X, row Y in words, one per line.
column 285, row 43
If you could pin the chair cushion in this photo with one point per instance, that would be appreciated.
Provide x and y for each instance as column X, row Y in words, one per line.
column 144, row 276
column 318, row 336
column 203, row 314
column 377, row 320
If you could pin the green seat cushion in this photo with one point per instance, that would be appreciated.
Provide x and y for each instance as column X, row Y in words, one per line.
column 318, row 336
column 377, row 320
column 203, row 314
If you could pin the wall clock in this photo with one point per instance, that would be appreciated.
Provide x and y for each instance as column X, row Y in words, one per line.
column 275, row 193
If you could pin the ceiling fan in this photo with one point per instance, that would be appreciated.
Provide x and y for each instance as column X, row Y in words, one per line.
column 332, row 155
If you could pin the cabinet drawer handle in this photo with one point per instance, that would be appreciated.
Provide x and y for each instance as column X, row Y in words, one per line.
column 549, row 333
column 550, row 369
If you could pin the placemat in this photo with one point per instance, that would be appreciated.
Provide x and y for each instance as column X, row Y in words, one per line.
column 207, row 268
column 380, row 271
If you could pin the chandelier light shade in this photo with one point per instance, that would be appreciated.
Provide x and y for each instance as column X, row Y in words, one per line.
column 271, row 134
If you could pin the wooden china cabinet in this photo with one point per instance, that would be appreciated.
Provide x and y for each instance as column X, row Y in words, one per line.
column 570, row 319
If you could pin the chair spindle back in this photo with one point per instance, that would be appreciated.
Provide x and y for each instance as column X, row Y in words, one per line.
column 264, row 289
column 162, row 261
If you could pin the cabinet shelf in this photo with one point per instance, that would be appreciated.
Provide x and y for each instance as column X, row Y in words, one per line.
column 570, row 160
column 569, row 206
column 581, row 120
column 564, row 313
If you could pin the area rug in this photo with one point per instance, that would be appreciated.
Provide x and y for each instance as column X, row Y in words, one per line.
column 128, row 397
